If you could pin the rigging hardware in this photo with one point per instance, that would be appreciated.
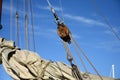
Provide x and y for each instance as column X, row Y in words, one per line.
column 62, row 29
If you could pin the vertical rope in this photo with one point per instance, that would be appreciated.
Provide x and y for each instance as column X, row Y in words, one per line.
column 75, row 70
column 26, row 25
column 32, row 23
column 17, row 25
column 17, row 29
column 11, row 10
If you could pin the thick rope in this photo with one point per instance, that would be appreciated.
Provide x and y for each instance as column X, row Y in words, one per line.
column 81, row 60
column 70, row 58
column 84, row 54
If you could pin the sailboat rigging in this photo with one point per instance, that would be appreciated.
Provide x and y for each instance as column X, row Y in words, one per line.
column 66, row 36
column 67, row 40
column 62, row 29
column 0, row 13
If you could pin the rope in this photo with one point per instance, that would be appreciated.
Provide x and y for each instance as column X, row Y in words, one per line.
column 17, row 24
column 11, row 10
column 70, row 58
column 84, row 54
column 32, row 23
column 26, row 26
column 81, row 60
column 17, row 27
column 105, row 19
column 61, row 8
column 76, row 72
column 58, row 20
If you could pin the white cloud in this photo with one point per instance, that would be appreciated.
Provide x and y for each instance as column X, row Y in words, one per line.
column 76, row 36
column 11, row 9
column 53, row 31
column 109, row 45
column 110, row 32
column 84, row 20
column 48, row 8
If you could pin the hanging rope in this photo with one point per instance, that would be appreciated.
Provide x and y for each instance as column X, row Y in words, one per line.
column 105, row 19
column 75, row 70
column 32, row 23
column 26, row 25
column 84, row 54
column 17, row 25
column 11, row 10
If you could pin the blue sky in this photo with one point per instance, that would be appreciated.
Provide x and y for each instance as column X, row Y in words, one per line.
column 87, row 27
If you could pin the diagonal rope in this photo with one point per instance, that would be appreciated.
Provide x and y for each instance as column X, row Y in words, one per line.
column 75, row 70
column 81, row 60
column 84, row 54
column 61, row 8
column 105, row 19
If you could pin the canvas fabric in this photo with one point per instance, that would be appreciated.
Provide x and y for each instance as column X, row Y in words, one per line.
column 27, row 65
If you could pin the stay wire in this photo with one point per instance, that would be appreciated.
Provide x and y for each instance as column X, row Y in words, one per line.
column 81, row 60
column 32, row 23
column 17, row 24
column 61, row 8
column 84, row 54
column 26, row 25
column 11, row 10
column 105, row 19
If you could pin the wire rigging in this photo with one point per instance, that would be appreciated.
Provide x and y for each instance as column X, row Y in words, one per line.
column 11, row 10
column 32, row 23
column 26, row 24
column 61, row 8
column 66, row 36
column 84, row 54
column 105, row 19
column 86, row 74
column 17, row 24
